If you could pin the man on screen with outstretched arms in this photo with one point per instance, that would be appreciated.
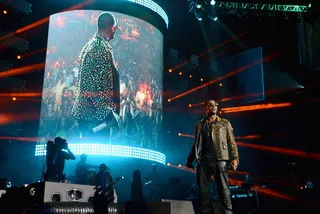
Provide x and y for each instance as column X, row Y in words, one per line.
column 97, row 102
column 213, row 140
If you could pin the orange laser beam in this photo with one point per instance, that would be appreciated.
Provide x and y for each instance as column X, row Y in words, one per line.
column 255, row 107
column 212, row 49
column 27, row 94
column 44, row 20
column 285, row 151
column 22, row 70
column 265, row 59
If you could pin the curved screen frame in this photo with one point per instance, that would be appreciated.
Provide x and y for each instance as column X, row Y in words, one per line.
column 154, row 7
column 116, row 150
column 109, row 150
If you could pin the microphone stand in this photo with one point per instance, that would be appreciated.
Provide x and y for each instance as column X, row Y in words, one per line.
column 257, row 199
column 151, row 190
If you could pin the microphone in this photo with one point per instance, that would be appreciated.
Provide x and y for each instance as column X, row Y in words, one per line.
column 148, row 179
column 117, row 180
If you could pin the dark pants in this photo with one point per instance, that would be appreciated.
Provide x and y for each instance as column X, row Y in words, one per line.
column 219, row 169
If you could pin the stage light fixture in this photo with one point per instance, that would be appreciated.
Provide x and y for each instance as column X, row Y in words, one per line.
column 14, row 98
column 212, row 2
column 5, row 12
column 109, row 150
column 170, row 70
column 201, row 79
column 198, row 16
column 18, row 57
column 213, row 18
column 180, row 73
column 190, row 76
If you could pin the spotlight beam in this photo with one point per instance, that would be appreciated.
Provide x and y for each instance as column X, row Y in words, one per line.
column 265, row 59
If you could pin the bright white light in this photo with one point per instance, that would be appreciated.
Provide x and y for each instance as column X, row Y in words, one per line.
column 153, row 6
column 200, row 18
column 215, row 19
column 109, row 150
column 213, row 2
column 198, row 6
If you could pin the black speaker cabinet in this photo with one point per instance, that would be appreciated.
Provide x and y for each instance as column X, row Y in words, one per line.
column 136, row 207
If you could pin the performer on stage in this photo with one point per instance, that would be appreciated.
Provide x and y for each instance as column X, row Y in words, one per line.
column 57, row 152
column 213, row 139
column 83, row 170
column 103, row 178
column 98, row 88
column 136, row 187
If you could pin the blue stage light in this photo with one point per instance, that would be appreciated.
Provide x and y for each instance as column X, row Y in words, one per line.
column 109, row 150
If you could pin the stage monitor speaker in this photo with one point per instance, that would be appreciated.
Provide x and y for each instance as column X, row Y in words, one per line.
column 180, row 207
column 18, row 199
column 2, row 192
column 56, row 192
column 137, row 207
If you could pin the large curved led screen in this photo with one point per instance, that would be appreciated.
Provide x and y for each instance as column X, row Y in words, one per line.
column 103, row 79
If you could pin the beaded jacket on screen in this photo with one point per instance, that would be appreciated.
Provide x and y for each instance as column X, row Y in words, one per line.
column 98, row 85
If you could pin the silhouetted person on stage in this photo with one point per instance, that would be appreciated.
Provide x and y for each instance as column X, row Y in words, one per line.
column 103, row 178
column 57, row 152
column 136, row 187
column 213, row 140
column 154, row 175
column 83, row 170
column 97, row 99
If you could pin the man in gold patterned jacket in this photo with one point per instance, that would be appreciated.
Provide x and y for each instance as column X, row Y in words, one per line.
column 98, row 87
column 213, row 140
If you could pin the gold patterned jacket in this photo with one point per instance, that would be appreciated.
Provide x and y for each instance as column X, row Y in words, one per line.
column 98, row 85
column 223, row 141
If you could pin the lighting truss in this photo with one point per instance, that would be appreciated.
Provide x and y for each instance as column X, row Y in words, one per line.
column 265, row 7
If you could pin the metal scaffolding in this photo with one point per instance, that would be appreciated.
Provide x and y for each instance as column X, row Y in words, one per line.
column 264, row 7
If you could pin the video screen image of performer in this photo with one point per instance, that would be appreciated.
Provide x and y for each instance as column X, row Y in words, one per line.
column 213, row 140
column 103, row 77
column 97, row 99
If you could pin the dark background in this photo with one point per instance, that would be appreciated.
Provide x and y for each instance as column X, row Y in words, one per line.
column 295, row 127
